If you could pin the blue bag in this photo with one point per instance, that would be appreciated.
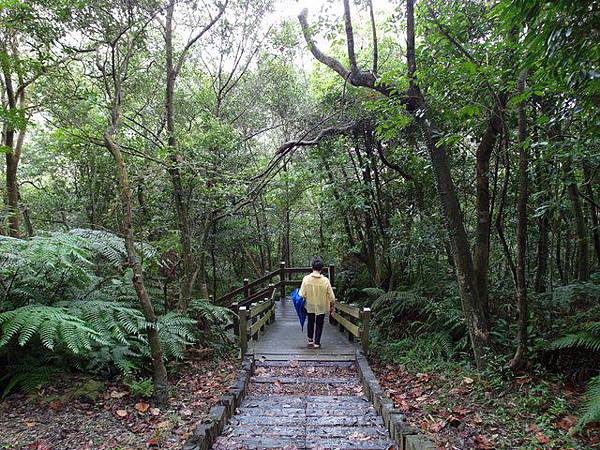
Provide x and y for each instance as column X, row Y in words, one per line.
column 299, row 305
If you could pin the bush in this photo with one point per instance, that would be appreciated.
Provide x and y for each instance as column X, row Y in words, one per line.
column 70, row 295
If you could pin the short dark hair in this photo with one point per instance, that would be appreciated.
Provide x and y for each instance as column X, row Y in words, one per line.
column 317, row 264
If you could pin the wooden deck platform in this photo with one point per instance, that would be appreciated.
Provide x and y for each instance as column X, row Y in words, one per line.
column 284, row 340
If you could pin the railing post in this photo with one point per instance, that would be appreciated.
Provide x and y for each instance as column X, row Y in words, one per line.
column 271, row 292
column 262, row 329
column 331, row 319
column 236, row 318
column 364, row 316
column 272, row 300
column 246, row 289
column 253, row 320
column 243, row 330
column 332, row 274
column 282, row 279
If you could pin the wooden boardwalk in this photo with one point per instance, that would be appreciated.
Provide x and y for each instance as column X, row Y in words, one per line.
column 285, row 340
column 304, row 398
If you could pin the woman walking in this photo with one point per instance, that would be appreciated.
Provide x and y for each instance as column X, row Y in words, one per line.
column 318, row 294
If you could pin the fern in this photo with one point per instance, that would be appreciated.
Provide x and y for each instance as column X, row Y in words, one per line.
column 51, row 324
column 590, row 409
column 27, row 377
column 585, row 336
column 209, row 313
column 373, row 293
column 109, row 318
column 175, row 333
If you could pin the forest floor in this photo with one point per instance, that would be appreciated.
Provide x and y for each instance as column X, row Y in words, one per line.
column 79, row 413
column 459, row 410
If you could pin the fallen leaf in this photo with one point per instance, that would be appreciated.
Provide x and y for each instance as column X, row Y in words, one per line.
column 121, row 413
column 483, row 443
column 155, row 411
column 542, row 438
column 117, row 394
column 437, row 426
column 55, row 406
column 142, row 407
column 566, row 423
column 468, row 380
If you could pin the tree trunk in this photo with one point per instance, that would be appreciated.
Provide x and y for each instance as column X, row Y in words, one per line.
column 181, row 205
column 542, row 255
column 582, row 265
column 159, row 373
column 521, row 281
column 459, row 242
column 593, row 209
column 481, row 248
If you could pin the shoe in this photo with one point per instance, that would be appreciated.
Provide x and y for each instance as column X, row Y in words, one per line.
column 316, row 345
column 310, row 343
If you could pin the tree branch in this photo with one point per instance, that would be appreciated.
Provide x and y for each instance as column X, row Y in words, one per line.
column 374, row 34
column 356, row 77
column 350, row 37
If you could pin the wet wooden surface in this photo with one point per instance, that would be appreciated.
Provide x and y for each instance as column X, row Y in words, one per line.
column 284, row 340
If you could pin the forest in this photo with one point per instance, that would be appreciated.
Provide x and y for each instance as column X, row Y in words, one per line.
column 443, row 155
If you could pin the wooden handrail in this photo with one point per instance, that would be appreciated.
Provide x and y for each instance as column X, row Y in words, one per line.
column 345, row 323
column 260, row 307
column 284, row 280
column 260, row 295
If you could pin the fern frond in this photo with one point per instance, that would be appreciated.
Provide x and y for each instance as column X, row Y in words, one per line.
column 591, row 406
column 52, row 324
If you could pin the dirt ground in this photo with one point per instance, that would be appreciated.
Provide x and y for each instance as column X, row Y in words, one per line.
column 76, row 413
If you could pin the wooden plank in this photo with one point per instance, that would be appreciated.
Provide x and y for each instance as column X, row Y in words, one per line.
column 292, row 270
column 256, row 310
column 353, row 329
column 350, row 310
column 304, row 357
column 258, row 325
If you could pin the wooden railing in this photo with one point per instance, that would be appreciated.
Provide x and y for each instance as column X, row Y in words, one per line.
column 247, row 293
column 254, row 305
column 254, row 319
column 352, row 320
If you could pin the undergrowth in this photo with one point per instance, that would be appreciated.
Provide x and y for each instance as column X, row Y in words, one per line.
column 68, row 301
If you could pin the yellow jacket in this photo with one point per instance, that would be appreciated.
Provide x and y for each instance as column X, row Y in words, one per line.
column 317, row 292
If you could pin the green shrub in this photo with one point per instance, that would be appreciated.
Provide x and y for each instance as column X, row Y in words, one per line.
column 141, row 388
column 70, row 295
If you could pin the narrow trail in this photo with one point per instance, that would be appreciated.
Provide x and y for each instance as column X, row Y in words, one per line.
column 304, row 398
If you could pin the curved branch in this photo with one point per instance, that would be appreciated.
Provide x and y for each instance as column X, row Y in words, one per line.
column 330, row 131
column 359, row 78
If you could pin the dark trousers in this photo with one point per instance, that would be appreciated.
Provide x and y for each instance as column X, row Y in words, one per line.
column 312, row 333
